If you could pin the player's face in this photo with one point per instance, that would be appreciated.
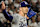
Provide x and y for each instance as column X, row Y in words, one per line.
column 25, row 9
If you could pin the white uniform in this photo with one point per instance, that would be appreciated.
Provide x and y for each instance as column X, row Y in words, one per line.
column 20, row 21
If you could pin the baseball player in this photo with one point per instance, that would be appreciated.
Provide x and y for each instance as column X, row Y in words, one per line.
column 19, row 19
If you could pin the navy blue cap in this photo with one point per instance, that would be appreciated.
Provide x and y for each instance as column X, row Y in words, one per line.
column 24, row 4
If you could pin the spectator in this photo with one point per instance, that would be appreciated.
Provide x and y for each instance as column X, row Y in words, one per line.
column 33, row 24
column 13, row 8
column 7, row 24
column 0, row 23
column 6, row 2
column 9, row 10
column 0, row 10
column 29, row 1
column 39, row 9
column 39, row 13
column 34, row 7
column 35, row 1
column 16, row 3
column 10, row 1
column 38, row 21
column 38, row 5
column 2, row 18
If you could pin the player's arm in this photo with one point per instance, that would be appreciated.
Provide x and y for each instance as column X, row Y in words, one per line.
column 7, row 16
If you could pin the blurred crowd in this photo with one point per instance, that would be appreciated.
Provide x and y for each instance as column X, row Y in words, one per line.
column 12, row 7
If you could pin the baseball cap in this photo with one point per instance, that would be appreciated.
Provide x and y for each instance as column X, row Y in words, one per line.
column 24, row 4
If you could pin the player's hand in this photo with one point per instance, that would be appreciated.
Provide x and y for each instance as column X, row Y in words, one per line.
column 3, row 5
column 26, row 16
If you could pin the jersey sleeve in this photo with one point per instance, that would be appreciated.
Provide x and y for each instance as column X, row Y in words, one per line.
column 7, row 16
column 15, row 18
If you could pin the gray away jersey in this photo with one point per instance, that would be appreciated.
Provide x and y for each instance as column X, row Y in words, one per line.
column 20, row 21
